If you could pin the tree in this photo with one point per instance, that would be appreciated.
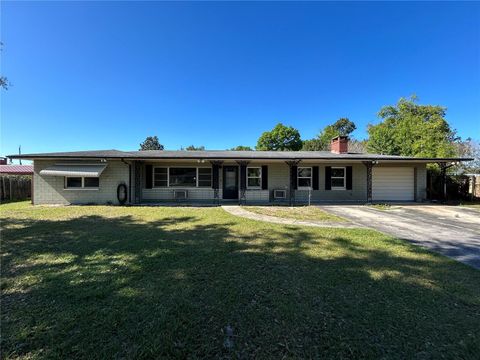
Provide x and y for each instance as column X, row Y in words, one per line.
column 341, row 127
column 151, row 143
column 4, row 83
column 241, row 148
column 469, row 149
column 281, row 138
column 195, row 148
column 312, row 145
column 410, row 129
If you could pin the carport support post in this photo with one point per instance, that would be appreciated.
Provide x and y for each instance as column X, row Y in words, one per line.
column 292, row 164
column 369, row 166
column 243, row 181
column 443, row 171
column 138, row 181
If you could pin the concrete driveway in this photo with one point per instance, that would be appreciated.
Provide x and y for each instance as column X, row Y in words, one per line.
column 449, row 230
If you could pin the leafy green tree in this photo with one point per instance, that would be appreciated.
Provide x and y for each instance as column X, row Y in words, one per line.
column 151, row 143
column 312, row 145
column 195, row 148
column 241, row 148
column 342, row 126
column 281, row 138
column 410, row 129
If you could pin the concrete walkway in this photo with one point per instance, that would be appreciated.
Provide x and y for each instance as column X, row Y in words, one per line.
column 241, row 212
column 449, row 230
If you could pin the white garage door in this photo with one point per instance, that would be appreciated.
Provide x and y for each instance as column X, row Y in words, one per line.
column 393, row 183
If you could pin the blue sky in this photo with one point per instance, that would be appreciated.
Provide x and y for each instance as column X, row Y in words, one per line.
column 102, row 75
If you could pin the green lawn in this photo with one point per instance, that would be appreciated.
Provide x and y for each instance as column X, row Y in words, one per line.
column 99, row 282
column 471, row 204
column 296, row 213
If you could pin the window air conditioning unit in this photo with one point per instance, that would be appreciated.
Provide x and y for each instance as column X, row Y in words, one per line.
column 180, row 194
column 279, row 194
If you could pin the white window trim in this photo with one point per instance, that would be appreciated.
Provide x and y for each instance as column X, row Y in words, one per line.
column 254, row 177
column 305, row 177
column 153, row 177
column 82, row 188
column 182, row 187
column 344, row 177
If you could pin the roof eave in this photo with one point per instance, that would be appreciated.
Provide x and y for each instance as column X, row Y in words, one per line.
column 133, row 157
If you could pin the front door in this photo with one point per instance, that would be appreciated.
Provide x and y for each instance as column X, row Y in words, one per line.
column 230, row 182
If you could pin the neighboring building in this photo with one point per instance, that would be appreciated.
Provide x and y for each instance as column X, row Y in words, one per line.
column 218, row 176
column 15, row 181
column 16, row 170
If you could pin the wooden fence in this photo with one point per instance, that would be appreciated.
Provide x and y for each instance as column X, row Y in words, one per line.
column 15, row 187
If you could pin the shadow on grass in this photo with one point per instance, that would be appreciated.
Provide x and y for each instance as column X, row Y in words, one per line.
column 98, row 287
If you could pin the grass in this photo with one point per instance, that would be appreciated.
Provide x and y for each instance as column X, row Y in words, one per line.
column 97, row 282
column 382, row 207
column 471, row 204
column 296, row 213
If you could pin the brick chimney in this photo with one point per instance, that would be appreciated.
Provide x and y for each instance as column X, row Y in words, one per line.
column 3, row 161
column 339, row 145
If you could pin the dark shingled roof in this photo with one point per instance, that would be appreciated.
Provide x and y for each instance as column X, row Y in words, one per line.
column 223, row 155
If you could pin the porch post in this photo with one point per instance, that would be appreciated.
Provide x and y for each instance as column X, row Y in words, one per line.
column 138, row 166
column 369, row 166
column 292, row 166
column 243, row 180
column 216, row 165
column 443, row 171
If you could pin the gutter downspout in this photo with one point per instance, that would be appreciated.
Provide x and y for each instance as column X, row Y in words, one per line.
column 129, row 180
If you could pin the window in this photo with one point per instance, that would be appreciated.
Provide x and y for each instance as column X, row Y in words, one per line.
column 338, row 178
column 73, row 182
column 91, row 182
column 182, row 176
column 204, row 177
column 78, row 182
column 254, row 177
column 160, row 177
column 304, row 177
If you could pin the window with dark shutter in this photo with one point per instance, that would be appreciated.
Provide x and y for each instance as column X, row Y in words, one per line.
column 148, row 176
column 264, row 177
column 315, row 178
column 328, row 178
column 349, row 178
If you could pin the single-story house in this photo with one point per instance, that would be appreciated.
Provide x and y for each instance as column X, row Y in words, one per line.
column 136, row 177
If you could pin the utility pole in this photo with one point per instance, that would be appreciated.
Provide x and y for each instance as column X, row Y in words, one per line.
column 20, row 152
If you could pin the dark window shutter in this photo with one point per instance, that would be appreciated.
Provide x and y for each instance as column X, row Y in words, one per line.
column 328, row 178
column 349, row 178
column 243, row 177
column 148, row 176
column 294, row 177
column 215, row 176
column 315, row 177
column 264, row 177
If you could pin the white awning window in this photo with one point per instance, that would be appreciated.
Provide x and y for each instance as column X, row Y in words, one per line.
column 91, row 170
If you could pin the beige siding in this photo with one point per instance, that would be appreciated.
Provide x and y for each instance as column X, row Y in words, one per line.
column 50, row 189
column 358, row 192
